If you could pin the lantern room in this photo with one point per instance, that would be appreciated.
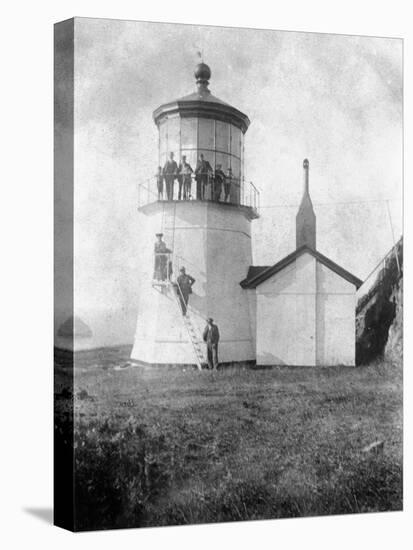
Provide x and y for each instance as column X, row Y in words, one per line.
column 201, row 124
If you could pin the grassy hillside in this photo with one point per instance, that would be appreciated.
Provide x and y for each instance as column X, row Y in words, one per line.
column 177, row 446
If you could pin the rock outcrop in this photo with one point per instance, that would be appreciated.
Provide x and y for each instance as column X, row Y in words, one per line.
column 379, row 320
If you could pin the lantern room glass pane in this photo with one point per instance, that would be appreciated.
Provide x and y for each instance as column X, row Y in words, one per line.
column 236, row 167
column 235, row 141
column 223, row 159
column 189, row 130
column 206, row 133
column 222, row 136
column 163, row 158
column 191, row 157
column 174, row 136
column 209, row 156
column 163, row 137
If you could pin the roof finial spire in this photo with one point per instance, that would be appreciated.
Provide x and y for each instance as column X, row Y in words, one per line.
column 306, row 166
column 202, row 74
column 305, row 219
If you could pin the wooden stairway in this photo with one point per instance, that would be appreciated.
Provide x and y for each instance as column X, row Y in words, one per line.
column 194, row 338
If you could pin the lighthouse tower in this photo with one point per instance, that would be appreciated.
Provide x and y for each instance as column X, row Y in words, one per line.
column 208, row 232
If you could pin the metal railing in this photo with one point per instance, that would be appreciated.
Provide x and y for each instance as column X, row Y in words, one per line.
column 206, row 187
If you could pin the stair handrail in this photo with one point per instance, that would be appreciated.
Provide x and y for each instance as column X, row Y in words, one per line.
column 199, row 363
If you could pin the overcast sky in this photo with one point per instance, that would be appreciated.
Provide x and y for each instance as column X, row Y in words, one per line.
column 336, row 100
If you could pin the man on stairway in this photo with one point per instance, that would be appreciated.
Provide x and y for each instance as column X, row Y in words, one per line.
column 184, row 288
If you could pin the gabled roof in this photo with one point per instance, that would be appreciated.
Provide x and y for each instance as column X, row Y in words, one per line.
column 257, row 275
column 255, row 270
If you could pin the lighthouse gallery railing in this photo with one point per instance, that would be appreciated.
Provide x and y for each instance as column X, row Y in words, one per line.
column 235, row 191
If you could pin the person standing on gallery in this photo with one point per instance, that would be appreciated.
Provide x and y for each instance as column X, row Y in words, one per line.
column 219, row 181
column 159, row 183
column 211, row 338
column 184, row 283
column 203, row 172
column 227, row 185
column 184, row 178
column 170, row 172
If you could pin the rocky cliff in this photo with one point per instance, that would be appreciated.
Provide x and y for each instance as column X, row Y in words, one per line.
column 379, row 314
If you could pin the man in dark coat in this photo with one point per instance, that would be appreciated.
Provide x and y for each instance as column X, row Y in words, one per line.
column 203, row 172
column 184, row 283
column 161, row 260
column 170, row 172
column 211, row 337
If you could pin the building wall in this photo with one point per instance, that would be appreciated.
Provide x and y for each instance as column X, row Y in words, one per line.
column 336, row 319
column 305, row 316
column 252, row 309
column 305, row 310
column 286, row 315
column 213, row 243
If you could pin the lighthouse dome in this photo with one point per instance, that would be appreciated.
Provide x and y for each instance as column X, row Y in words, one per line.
column 202, row 103
column 202, row 72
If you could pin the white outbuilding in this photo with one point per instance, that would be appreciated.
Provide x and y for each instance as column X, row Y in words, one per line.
column 303, row 307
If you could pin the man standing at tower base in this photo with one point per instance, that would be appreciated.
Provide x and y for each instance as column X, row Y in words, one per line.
column 211, row 337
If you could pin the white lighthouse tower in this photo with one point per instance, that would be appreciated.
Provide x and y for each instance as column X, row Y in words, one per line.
column 209, row 235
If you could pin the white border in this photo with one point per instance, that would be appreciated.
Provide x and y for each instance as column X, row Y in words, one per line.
column 27, row 275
